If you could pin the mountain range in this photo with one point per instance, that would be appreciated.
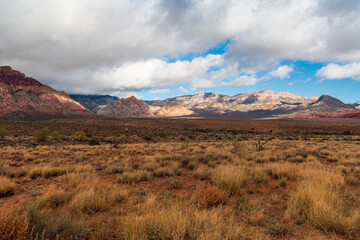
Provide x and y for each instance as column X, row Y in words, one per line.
column 23, row 97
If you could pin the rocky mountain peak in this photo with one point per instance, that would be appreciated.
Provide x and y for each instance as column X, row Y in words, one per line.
column 16, row 78
column 23, row 97
column 126, row 107
column 331, row 102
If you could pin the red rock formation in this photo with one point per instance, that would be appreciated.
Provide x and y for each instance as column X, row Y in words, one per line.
column 126, row 107
column 341, row 113
column 171, row 110
column 23, row 97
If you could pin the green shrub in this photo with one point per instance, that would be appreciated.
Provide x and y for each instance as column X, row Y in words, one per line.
column 81, row 136
column 3, row 133
column 148, row 136
column 56, row 135
column 42, row 135
column 52, row 225
column 276, row 230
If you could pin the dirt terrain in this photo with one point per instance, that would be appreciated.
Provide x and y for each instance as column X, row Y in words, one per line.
column 179, row 179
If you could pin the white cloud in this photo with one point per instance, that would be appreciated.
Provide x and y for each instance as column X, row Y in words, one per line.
column 110, row 45
column 281, row 72
column 154, row 73
column 184, row 90
column 125, row 94
column 156, row 91
column 243, row 80
column 336, row 71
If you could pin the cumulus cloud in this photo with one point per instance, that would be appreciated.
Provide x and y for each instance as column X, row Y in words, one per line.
column 281, row 72
column 244, row 80
column 336, row 71
column 182, row 89
column 157, row 73
column 119, row 45
column 156, row 91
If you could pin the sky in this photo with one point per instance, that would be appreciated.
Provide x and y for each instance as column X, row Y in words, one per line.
column 157, row 49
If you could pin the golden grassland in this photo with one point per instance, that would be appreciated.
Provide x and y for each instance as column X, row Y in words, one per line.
column 199, row 185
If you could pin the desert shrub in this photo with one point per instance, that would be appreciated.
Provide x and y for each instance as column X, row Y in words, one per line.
column 54, row 197
column 209, row 195
column 280, row 170
column 88, row 195
column 179, row 221
column 93, row 142
column 230, row 178
column 91, row 200
column 7, row 187
column 163, row 172
column 258, row 175
column 318, row 200
column 162, row 134
column 121, row 195
column 81, row 136
column 148, row 136
column 238, row 146
column 276, row 230
column 52, row 226
column 3, row 132
column 135, row 177
column 83, row 169
column 150, row 166
column 202, row 173
column 47, row 172
column 76, row 181
column 13, row 224
column 56, row 135
column 116, row 170
column 254, row 214
column 42, row 135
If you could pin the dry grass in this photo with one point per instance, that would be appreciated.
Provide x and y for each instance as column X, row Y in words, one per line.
column 91, row 200
column 179, row 221
column 209, row 195
column 230, row 178
column 218, row 186
column 13, row 224
column 318, row 200
column 47, row 172
column 88, row 195
column 54, row 197
column 7, row 187
column 134, row 177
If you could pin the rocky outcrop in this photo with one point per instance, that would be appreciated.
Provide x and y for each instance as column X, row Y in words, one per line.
column 126, row 107
column 94, row 102
column 172, row 110
column 23, row 97
column 340, row 113
column 327, row 103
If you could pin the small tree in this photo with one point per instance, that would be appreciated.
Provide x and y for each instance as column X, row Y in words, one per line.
column 42, row 135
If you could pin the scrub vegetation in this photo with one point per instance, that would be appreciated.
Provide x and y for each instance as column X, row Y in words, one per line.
column 248, row 180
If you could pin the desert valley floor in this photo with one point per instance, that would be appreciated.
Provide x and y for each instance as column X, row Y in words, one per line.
column 179, row 179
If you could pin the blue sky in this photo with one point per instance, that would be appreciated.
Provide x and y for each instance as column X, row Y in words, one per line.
column 301, row 81
column 159, row 48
